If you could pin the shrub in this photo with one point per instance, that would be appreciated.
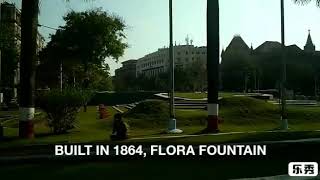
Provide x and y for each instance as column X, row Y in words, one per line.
column 150, row 113
column 62, row 107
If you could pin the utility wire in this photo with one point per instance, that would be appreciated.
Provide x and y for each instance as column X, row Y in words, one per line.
column 41, row 25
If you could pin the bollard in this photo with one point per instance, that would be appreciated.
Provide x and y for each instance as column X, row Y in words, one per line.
column 103, row 114
column 1, row 132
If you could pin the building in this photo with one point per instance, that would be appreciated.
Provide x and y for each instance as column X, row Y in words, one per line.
column 125, row 76
column 128, row 68
column 11, row 18
column 158, row 62
column 245, row 68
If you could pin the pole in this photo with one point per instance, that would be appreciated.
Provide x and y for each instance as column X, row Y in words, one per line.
column 213, row 45
column 284, row 73
column 172, row 120
column 29, row 24
column 61, row 77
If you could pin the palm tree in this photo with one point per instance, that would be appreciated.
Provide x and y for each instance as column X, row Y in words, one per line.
column 29, row 32
column 213, row 46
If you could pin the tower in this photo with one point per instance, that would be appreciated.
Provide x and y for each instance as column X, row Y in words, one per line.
column 309, row 47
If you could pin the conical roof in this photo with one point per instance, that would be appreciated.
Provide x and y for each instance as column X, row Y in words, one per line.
column 309, row 45
column 238, row 44
column 309, row 40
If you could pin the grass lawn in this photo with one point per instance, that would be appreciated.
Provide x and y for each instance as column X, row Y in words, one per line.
column 242, row 114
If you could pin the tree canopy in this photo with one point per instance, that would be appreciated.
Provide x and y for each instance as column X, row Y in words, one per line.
column 86, row 40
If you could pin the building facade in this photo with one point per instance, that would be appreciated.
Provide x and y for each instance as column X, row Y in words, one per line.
column 11, row 19
column 248, row 69
column 128, row 68
column 158, row 62
column 125, row 76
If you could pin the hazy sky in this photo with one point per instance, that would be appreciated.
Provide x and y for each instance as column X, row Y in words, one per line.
column 255, row 20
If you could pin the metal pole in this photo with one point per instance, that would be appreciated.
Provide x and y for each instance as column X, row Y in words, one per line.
column 172, row 120
column 284, row 74
column 171, row 57
column 61, row 77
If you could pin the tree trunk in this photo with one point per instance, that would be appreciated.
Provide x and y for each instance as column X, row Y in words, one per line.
column 29, row 25
column 86, row 83
column 213, row 46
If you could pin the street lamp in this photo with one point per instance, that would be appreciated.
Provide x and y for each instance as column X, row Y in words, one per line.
column 284, row 119
column 172, row 120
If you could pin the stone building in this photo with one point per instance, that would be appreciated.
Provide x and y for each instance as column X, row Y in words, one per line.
column 11, row 19
column 244, row 68
column 158, row 62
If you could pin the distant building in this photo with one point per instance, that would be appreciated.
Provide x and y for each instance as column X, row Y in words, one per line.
column 11, row 17
column 245, row 68
column 128, row 68
column 158, row 62
column 125, row 76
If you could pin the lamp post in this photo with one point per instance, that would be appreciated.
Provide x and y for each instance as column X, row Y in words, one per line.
column 172, row 120
column 284, row 119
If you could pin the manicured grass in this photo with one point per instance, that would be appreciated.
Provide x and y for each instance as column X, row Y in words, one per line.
column 191, row 95
column 238, row 114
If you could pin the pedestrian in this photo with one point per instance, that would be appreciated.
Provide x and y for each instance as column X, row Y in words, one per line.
column 119, row 130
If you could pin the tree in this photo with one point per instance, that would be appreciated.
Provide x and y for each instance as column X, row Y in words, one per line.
column 89, row 37
column 92, row 36
column 303, row 2
column 213, row 43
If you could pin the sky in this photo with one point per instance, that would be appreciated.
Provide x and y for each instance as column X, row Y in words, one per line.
column 256, row 21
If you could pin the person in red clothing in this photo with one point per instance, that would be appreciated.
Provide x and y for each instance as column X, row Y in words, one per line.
column 119, row 131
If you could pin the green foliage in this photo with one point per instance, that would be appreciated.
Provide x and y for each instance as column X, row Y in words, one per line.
column 150, row 113
column 62, row 107
column 100, row 78
column 82, row 46
column 236, row 109
column 264, row 71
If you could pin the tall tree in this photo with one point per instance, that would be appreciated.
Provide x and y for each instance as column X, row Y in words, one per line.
column 88, row 38
column 29, row 29
column 29, row 24
column 213, row 45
